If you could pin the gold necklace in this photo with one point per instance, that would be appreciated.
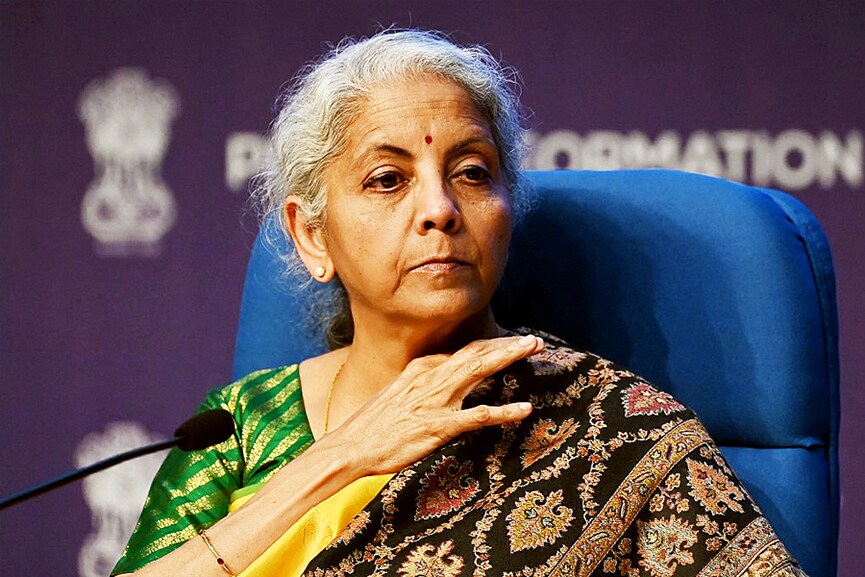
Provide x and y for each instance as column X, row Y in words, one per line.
column 330, row 395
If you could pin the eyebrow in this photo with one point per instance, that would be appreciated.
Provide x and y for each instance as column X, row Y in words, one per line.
column 470, row 141
column 389, row 148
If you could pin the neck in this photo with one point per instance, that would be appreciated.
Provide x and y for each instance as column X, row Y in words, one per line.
column 380, row 351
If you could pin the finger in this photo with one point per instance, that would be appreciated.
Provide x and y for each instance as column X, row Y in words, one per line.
column 423, row 364
column 484, row 346
column 487, row 416
column 502, row 348
column 468, row 368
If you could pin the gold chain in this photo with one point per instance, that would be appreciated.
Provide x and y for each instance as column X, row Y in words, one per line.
column 330, row 395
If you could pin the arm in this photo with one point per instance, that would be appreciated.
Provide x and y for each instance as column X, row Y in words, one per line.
column 413, row 416
column 243, row 536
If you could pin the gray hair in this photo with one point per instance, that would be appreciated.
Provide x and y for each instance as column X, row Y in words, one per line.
column 315, row 113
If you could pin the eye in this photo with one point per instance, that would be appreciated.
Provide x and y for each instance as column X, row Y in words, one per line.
column 384, row 182
column 474, row 174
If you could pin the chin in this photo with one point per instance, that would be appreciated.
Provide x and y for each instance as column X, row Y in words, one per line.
column 450, row 308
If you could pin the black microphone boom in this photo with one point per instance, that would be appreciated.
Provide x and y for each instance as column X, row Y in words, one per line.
column 199, row 432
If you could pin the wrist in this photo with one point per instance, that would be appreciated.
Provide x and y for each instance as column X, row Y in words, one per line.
column 343, row 457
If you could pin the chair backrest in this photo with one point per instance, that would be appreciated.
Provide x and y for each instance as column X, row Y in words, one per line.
column 720, row 293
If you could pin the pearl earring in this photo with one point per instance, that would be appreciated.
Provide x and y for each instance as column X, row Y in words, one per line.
column 320, row 271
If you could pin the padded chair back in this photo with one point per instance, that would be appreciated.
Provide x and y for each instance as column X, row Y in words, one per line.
column 720, row 293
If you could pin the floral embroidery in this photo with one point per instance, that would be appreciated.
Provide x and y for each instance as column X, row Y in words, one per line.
column 643, row 399
column 555, row 360
column 713, row 489
column 618, row 559
column 621, row 509
column 428, row 561
column 605, row 375
column 775, row 561
column 755, row 550
column 720, row 534
column 484, row 386
column 608, row 497
column 542, row 570
column 664, row 544
column 354, row 527
column 545, row 438
column 482, row 549
column 666, row 496
column 537, row 521
column 445, row 488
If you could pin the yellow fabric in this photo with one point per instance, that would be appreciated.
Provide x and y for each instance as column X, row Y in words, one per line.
column 291, row 553
column 242, row 495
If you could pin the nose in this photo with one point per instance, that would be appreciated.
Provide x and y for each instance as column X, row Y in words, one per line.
column 436, row 208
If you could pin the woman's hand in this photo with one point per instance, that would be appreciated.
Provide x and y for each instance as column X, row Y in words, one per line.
column 422, row 409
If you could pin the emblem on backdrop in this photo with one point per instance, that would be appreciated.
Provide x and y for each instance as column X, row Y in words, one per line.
column 128, row 208
column 115, row 496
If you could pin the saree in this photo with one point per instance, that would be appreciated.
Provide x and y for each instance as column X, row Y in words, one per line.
column 193, row 490
column 318, row 527
column 607, row 476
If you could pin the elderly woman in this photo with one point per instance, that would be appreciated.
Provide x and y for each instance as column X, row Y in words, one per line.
column 430, row 441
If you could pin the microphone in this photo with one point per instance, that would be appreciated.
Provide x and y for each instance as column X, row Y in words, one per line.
column 204, row 430
column 201, row 431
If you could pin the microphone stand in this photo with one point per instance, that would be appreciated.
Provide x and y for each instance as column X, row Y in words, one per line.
column 201, row 431
column 76, row 474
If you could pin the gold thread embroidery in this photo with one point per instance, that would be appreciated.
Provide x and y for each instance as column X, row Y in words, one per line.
column 537, row 520
column 755, row 550
column 621, row 509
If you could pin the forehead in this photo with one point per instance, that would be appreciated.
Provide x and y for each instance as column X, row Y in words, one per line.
column 405, row 106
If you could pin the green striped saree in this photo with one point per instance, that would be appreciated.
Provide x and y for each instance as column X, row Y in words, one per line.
column 193, row 490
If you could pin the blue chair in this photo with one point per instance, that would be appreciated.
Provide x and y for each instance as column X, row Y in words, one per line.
column 720, row 293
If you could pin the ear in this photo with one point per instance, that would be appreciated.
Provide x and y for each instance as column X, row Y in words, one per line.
column 308, row 241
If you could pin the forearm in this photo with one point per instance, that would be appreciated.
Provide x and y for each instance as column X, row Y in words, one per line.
column 409, row 419
column 240, row 538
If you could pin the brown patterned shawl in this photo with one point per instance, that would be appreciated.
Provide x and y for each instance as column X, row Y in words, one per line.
column 608, row 476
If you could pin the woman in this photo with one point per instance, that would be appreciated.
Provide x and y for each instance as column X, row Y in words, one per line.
column 430, row 441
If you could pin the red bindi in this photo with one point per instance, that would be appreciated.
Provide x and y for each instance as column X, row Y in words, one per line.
column 427, row 139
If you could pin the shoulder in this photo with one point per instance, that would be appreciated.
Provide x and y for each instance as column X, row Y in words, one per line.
column 247, row 392
column 561, row 374
column 269, row 415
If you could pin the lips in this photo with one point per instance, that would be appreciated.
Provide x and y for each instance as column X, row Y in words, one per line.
column 439, row 264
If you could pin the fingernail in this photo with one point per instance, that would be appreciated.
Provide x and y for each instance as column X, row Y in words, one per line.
column 524, row 406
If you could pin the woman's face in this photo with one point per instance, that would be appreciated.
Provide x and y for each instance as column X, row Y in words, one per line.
column 418, row 215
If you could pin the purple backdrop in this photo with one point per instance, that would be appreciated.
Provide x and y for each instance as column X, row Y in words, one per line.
column 120, row 337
